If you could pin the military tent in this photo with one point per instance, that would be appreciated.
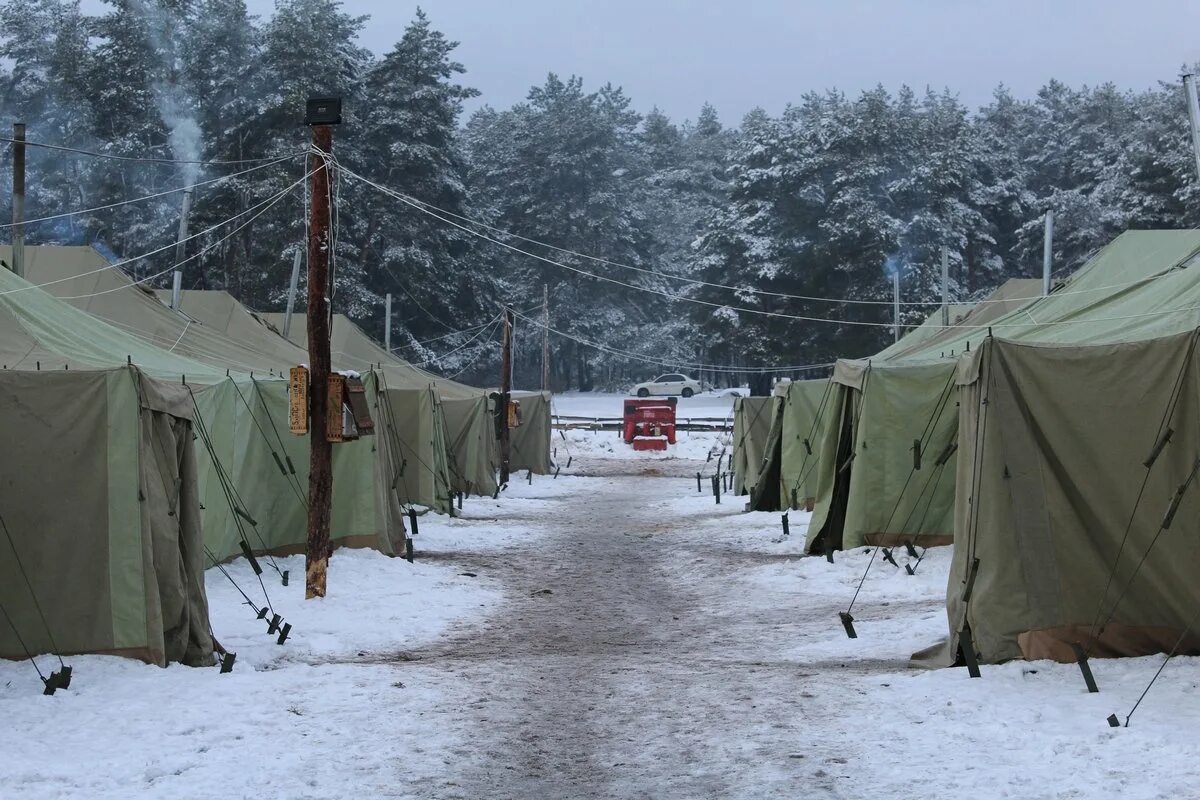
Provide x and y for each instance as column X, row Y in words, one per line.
column 241, row 407
column 98, row 489
column 530, row 443
column 103, row 548
column 1077, row 502
column 460, row 411
column 885, row 470
column 752, row 417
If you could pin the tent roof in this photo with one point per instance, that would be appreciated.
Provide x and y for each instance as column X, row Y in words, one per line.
column 353, row 348
column 85, row 279
column 930, row 337
column 38, row 330
column 218, row 310
column 1142, row 285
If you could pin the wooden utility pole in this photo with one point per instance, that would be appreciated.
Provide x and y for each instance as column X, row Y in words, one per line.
column 505, row 392
column 545, row 338
column 320, row 476
column 18, row 231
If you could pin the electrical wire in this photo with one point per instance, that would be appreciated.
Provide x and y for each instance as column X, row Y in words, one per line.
column 140, row 159
column 426, row 207
column 145, row 197
column 268, row 203
column 742, row 309
column 463, row 346
column 670, row 363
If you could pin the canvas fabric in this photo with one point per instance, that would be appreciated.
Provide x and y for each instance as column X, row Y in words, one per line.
column 752, row 418
column 530, row 442
column 98, row 492
column 1050, row 469
column 802, row 419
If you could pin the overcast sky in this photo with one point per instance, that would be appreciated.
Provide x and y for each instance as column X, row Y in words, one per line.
column 738, row 54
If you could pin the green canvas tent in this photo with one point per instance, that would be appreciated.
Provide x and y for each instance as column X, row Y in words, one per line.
column 790, row 451
column 460, row 411
column 530, row 442
column 98, row 493
column 1058, row 432
column 885, row 471
column 1063, row 532
column 98, row 489
column 752, row 417
column 241, row 404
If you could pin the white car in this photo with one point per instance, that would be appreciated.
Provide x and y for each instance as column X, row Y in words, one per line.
column 668, row 385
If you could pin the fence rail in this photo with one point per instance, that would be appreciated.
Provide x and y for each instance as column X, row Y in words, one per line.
column 570, row 422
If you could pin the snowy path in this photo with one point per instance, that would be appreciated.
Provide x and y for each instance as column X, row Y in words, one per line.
column 612, row 678
column 613, row 636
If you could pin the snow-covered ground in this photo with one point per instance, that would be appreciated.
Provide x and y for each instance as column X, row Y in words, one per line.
column 598, row 637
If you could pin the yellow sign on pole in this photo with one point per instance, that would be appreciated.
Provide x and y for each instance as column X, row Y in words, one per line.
column 298, row 400
column 333, row 414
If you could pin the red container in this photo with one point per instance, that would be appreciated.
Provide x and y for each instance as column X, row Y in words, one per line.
column 651, row 418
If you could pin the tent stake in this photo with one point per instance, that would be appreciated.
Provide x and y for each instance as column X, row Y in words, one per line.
column 848, row 624
column 1084, row 668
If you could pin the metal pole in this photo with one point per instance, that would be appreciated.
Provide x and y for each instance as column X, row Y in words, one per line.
column 387, row 322
column 505, row 392
column 1193, row 104
column 896, row 304
column 185, row 211
column 945, row 287
column 291, row 300
column 176, row 288
column 18, row 231
column 320, row 476
column 1047, row 252
column 545, row 338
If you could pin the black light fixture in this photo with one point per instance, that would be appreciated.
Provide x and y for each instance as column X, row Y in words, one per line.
column 323, row 111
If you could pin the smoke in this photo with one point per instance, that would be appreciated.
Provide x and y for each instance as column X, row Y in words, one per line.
column 891, row 265
column 170, row 96
column 183, row 131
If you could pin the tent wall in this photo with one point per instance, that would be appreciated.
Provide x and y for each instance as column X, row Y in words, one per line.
column 803, row 419
column 752, row 417
column 890, row 499
column 247, row 423
column 470, row 439
column 530, row 441
column 1045, row 499
column 103, row 509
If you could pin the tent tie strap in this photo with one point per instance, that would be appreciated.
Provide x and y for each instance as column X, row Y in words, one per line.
column 1172, row 509
column 1158, row 447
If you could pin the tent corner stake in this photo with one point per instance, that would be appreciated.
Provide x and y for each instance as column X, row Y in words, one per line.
column 848, row 624
column 1085, row 669
column 967, row 647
